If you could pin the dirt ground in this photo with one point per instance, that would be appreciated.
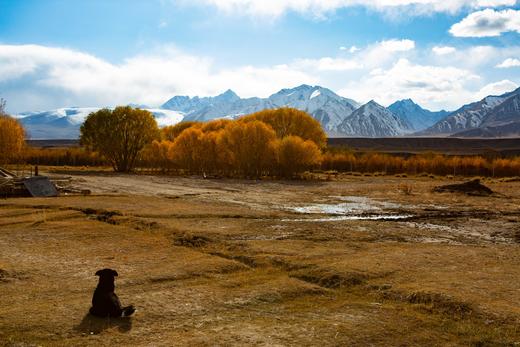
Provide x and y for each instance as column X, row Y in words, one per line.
column 353, row 261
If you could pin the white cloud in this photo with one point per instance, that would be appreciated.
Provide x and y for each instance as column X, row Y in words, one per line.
column 495, row 3
column 487, row 23
column 37, row 77
column 443, row 50
column 509, row 62
column 352, row 49
column 397, row 45
column 496, row 88
column 327, row 64
column 73, row 78
column 319, row 8
column 431, row 86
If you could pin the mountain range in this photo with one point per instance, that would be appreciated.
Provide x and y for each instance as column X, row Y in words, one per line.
column 486, row 117
column 340, row 117
column 417, row 117
column 326, row 106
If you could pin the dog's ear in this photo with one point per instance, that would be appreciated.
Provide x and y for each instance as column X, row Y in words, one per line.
column 99, row 272
column 114, row 272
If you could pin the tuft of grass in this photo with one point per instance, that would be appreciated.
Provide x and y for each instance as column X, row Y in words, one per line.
column 405, row 188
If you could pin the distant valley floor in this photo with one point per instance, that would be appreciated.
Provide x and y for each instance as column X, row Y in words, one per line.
column 411, row 145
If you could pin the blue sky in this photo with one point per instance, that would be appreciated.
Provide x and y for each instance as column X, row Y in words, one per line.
column 441, row 53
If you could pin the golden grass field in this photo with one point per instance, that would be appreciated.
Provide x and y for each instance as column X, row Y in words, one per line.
column 238, row 263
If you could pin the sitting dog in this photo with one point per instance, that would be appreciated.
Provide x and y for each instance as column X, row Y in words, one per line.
column 105, row 302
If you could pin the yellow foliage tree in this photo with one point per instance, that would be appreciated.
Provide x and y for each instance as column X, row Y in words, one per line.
column 210, row 155
column 170, row 133
column 289, row 121
column 186, row 151
column 215, row 125
column 296, row 155
column 248, row 147
column 156, row 155
column 12, row 136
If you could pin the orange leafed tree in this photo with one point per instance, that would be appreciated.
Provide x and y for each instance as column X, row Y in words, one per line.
column 296, row 155
column 156, row 155
column 12, row 137
column 170, row 133
column 215, row 125
column 248, row 147
column 289, row 121
column 186, row 151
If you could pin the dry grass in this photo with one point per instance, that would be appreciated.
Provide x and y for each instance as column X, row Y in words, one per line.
column 223, row 263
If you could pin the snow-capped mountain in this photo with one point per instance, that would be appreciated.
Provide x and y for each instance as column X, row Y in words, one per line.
column 64, row 123
column 339, row 116
column 505, row 113
column 413, row 114
column 501, row 121
column 323, row 104
column 188, row 105
column 469, row 116
column 373, row 120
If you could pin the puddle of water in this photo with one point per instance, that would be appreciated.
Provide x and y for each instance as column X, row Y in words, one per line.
column 348, row 205
column 354, row 217
column 349, row 208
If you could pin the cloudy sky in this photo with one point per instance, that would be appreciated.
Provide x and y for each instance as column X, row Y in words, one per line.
column 441, row 53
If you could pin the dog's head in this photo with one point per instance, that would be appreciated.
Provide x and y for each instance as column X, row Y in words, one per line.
column 106, row 278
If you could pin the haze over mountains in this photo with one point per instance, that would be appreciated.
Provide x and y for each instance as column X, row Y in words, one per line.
column 491, row 117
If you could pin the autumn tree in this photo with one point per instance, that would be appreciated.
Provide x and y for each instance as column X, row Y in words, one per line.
column 248, row 147
column 186, row 150
column 290, row 121
column 156, row 155
column 119, row 134
column 12, row 136
column 171, row 132
column 215, row 125
column 296, row 155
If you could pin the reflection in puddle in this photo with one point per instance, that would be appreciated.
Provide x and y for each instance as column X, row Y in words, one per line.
column 348, row 205
column 341, row 218
column 349, row 208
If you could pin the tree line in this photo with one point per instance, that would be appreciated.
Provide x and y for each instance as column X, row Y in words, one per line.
column 282, row 142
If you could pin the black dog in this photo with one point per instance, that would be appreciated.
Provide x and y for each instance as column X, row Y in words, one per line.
column 105, row 302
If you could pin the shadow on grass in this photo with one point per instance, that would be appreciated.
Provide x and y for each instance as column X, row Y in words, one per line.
column 94, row 325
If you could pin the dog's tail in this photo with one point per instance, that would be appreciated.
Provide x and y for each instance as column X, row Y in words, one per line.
column 128, row 311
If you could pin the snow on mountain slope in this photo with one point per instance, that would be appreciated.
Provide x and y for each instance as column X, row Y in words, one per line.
column 469, row 116
column 64, row 123
column 505, row 113
column 418, row 117
column 327, row 107
column 373, row 120
column 501, row 121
